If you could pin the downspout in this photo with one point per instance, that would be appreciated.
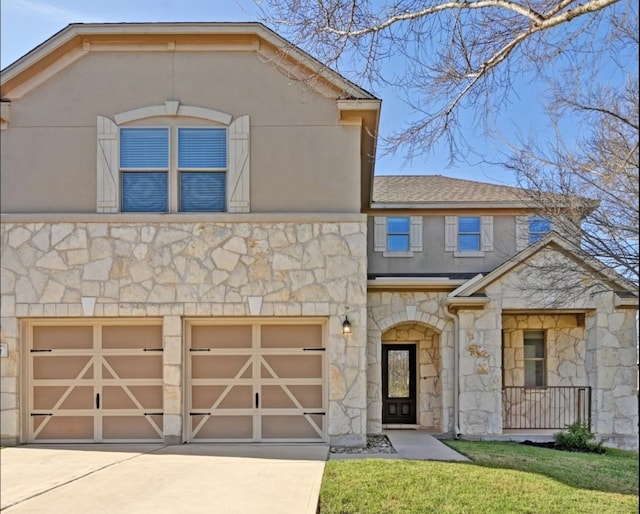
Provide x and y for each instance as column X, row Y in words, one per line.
column 456, row 372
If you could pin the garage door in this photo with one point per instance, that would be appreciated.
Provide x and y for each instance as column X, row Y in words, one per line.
column 95, row 382
column 259, row 382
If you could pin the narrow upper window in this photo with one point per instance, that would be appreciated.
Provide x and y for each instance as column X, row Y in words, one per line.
column 469, row 233
column 202, row 166
column 144, row 165
column 538, row 227
column 398, row 234
column 534, row 359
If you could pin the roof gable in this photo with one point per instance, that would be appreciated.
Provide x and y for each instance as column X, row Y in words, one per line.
column 78, row 39
column 552, row 241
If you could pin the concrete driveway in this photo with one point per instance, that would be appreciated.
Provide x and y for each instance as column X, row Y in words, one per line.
column 162, row 479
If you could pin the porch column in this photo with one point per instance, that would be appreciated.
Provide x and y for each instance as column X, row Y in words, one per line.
column 480, row 372
column 611, row 364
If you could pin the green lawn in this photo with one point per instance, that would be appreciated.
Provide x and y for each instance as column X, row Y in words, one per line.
column 503, row 477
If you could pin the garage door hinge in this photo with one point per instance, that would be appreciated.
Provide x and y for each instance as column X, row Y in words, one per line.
column 313, row 349
column 199, row 349
column 36, row 350
column 153, row 413
column 43, row 414
column 314, row 413
column 152, row 349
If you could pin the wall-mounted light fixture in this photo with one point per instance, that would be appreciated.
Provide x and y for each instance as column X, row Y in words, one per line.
column 346, row 325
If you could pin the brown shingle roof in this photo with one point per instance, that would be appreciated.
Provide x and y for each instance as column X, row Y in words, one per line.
column 437, row 188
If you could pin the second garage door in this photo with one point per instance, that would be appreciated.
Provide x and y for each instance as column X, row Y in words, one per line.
column 256, row 382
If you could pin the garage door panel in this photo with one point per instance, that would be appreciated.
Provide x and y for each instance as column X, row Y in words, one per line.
column 284, row 397
column 131, row 427
column 224, row 397
column 132, row 366
column 51, row 367
column 221, row 336
column 64, row 427
column 150, row 397
column 291, row 427
column 290, row 336
column 71, row 397
column 132, row 337
column 291, row 366
column 222, row 427
column 62, row 338
column 115, row 397
column 220, row 366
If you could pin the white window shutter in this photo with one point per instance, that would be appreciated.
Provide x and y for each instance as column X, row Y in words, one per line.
column 522, row 232
column 239, row 174
column 379, row 234
column 450, row 233
column 108, row 170
column 486, row 234
column 416, row 234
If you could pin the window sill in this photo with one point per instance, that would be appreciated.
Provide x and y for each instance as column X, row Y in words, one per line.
column 397, row 254
column 469, row 254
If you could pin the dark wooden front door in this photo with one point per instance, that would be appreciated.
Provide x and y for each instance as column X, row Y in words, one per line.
column 399, row 383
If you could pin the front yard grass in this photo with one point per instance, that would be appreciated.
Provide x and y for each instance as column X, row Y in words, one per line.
column 502, row 477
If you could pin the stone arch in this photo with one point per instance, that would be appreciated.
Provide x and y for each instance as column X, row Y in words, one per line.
column 429, row 372
column 431, row 321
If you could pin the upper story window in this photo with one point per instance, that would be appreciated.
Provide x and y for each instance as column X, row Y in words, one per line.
column 144, row 165
column 202, row 166
column 530, row 229
column 468, row 236
column 199, row 168
column 538, row 227
column 469, row 233
column 146, row 171
column 534, row 359
column 398, row 233
column 397, row 236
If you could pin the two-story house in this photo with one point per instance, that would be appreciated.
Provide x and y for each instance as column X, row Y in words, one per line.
column 194, row 249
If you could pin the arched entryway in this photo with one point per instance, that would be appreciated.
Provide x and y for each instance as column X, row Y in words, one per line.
column 411, row 376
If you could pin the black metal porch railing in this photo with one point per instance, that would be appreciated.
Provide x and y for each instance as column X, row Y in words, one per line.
column 545, row 407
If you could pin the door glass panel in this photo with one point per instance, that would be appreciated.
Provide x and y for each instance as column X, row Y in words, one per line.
column 399, row 375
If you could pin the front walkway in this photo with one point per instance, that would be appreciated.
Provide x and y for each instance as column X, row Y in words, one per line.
column 409, row 444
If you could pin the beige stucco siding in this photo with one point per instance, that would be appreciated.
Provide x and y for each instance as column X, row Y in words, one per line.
column 433, row 258
column 302, row 159
column 45, row 169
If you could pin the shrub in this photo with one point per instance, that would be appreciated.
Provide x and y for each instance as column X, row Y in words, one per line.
column 578, row 438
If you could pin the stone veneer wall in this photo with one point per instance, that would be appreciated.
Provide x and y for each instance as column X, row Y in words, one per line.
column 173, row 269
column 390, row 314
column 428, row 351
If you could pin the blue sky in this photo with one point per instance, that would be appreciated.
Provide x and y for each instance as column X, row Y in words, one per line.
column 24, row 24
